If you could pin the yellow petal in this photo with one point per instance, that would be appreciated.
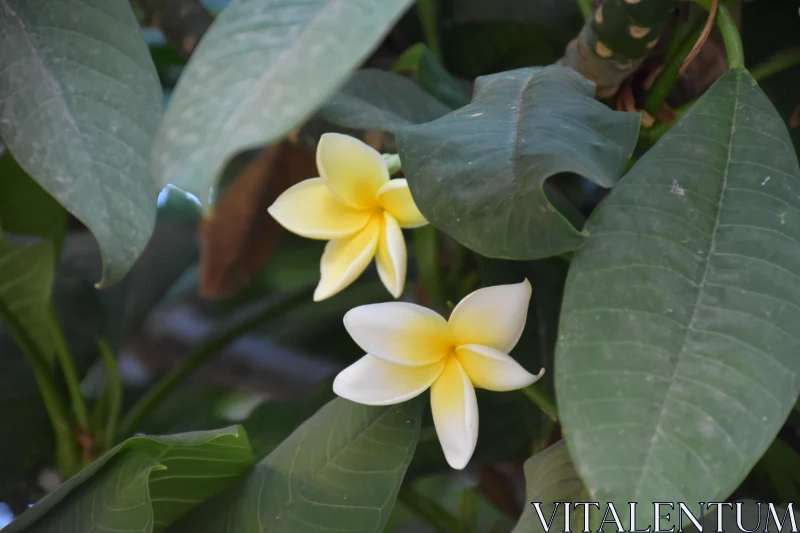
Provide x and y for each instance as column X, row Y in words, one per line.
column 345, row 259
column 391, row 257
column 372, row 381
column 310, row 210
column 395, row 198
column 455, row 414
column 490, row 369
column 399, row 332
column 353, row 170
column 492, row 316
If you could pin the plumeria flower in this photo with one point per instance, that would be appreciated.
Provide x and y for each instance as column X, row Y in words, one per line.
column 410, row 348
column 356, row 207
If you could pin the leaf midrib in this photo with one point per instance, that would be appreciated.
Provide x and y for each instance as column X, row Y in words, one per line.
column 699, row 289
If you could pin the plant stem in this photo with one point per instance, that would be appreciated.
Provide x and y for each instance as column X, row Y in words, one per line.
column 730, row 34
column 426, row 249
column 587, row 9
column 217, row 341
column 467, row 509
column 670, row 74
column 112, row 394
column 615, row 40
column 67, row 364
column 67, row 452
column 781, row 61
column 434, row 514
column 542, row 400
column 428, row 16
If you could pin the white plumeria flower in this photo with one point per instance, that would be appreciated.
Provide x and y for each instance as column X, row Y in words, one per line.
column 410, row 348
column 356, row 207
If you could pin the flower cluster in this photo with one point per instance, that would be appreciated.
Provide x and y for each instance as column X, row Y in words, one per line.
column 360, row 211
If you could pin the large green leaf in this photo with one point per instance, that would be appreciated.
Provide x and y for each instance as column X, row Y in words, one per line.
column 480, row 172
column 80, row 103
column 379, row 100
column 263, row 68
column 26, row 275
column 339, row 471
column 184, row 470
column 26, row 208
column 677, row 356
column 550, row 477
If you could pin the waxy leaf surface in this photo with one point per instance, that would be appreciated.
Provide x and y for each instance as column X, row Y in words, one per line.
column 677, row 360
column 480, row 172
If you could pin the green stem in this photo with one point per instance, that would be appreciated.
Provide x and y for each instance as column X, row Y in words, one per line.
column 649, row 137
column 587, row 9
column 542, row 400
column 428, row 16
column 426, row 249
column 216, row 342
column 440, row 520
column 730, row 33
column 68, row 460
column 68, row 454
column 668, row 77
column 67, row 364
column 781, row 61
column 467, row 509
column 112, row 394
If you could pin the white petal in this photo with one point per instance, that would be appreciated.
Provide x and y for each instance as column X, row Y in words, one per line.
column 391, row 258
column 399, row 332
column 310, row 210
column 396, row 198
column 353, row 170
column 345, row 259
column 492, row 316
column 490, row 369
column 455, row 414
column 372, row 381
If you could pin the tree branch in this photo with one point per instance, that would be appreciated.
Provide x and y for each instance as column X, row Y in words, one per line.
column 615, row 41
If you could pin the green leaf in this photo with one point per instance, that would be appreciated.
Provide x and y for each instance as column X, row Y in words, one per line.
column 26, row 276
column 117, row 500
column 184, row 470
column 273, row 64
column 80, row 103
column 677, row 353
column 431, row 75
column 480, row 172
column 551, row 477
column 379, row 100
column 340, row 470
column 26, row 208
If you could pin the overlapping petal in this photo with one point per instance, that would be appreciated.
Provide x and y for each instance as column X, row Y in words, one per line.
column 490, row 369
column 353, row 170
column 492, row 316
column 455, row 414
column 373, row 381
column 310, row 210
column 401, row 333
column 391, row 258
column 345, row 259
column 395, row 197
